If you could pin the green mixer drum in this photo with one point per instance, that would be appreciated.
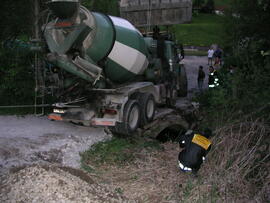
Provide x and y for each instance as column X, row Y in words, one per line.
column 128, row 57
column 117, row 43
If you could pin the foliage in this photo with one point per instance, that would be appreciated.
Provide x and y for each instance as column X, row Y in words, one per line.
column 16, row 18
column 247, row 43
column 16, row 73
column 223, row 3
column 16, row 83
column 109, row 7
column 198, row 3
column 249, row 21
column 209, row 7
column 204, row 30
column 204, row 6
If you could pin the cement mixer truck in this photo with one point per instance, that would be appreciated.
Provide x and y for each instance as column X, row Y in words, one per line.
column 109, row 73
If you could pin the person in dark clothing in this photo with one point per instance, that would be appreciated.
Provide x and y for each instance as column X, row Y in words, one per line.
column 181, row 53
column 196, row 146
column 156, row 32
column 217, row 56
column 213, row 80
column 201, row 76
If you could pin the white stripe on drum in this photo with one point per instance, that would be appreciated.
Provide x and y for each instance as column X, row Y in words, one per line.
column 129, row 58
column 123, row 23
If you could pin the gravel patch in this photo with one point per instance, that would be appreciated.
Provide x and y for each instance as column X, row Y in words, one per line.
column 52, row 184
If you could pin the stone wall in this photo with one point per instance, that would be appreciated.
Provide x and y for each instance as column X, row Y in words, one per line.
column 142, row 13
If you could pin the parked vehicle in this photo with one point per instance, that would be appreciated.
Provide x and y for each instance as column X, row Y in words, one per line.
column 108, row 73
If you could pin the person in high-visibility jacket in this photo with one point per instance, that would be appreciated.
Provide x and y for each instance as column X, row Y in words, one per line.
column 213, row 80
column 195, row 148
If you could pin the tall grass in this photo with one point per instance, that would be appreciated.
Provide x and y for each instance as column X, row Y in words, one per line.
column 238, row 166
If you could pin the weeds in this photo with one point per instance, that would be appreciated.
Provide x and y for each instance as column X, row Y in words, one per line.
column 188, row 189
column 238, row 166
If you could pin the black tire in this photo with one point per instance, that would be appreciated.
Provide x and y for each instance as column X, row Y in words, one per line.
column 131, row 119
column 147, row 108
column 182, row 82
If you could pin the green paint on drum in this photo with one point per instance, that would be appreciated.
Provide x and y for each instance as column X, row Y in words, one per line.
column 131, row 38
column 117, row 73
column 122, row 45
column 128, row 58
column 103, row 39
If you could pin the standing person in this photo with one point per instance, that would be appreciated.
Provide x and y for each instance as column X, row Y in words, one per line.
column 213, row 80
column 196, row 146
column 217, row 55
column 201, row 76
column 210, row 56
column 181, row 53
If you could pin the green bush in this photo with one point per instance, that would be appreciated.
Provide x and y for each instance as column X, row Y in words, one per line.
column 17, row 78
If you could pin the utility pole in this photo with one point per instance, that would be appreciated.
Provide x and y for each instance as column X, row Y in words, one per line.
column 37, row 64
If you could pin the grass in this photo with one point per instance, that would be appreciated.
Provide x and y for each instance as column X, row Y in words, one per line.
column 195, row 53
column 204, row 30
column 235, row 169
column 117, row 151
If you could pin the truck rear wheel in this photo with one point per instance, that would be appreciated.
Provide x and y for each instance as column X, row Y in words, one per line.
column 147, row 107
column 131, row 119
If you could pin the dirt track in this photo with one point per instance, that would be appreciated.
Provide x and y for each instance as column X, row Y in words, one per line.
column 30, row 139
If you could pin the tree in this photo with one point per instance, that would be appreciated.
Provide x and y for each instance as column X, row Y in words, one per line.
column 210, row 6
column 110, row 7
column 248, row 28
column 16, row 18
column 198, row 3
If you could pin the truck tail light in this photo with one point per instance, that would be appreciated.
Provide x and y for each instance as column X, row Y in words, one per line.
column 110, row 111
column 102, row 123
column 55, row 117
